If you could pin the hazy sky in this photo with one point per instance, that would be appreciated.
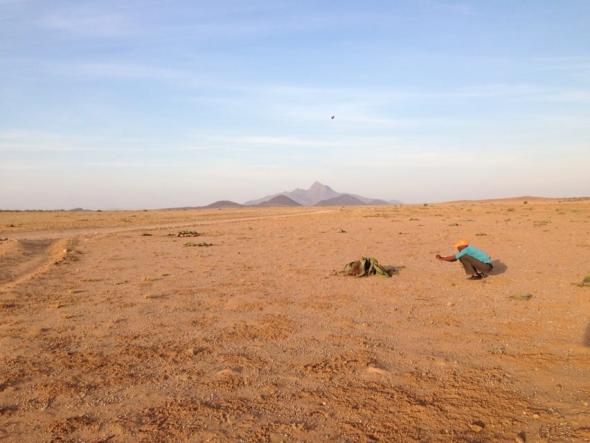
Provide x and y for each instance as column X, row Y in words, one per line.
column 154, row 103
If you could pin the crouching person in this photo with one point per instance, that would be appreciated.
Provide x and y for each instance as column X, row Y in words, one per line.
column 477, row 264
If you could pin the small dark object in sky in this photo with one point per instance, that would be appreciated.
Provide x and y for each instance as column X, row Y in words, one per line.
column 333, row 117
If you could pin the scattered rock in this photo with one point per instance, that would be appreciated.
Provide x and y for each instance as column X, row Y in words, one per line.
column 372, row 369
column 154, row 296
column 188, row 234
column 146, row 234
column 477, row 426
column 200, row 245
column 523, row 296
column 498, row 350
column 196, row 350
column 235, row 372
column 521, row 437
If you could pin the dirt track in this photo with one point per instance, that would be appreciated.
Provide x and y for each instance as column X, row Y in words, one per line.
column 108, row 334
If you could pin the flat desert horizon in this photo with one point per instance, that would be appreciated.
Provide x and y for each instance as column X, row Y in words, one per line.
column 236, row 325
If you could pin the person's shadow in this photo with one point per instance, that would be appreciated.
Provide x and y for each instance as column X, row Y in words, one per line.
column 499, row 267
column 587, row 336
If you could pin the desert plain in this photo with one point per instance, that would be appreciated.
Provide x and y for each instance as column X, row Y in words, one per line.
column 115, row 329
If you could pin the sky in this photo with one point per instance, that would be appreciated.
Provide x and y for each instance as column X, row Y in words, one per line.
column 165, row 103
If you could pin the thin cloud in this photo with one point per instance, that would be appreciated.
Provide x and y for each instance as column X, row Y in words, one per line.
column 265, row 140
column 227, row 92
column 89, row 22
column 40, row 142
column 201, row 23
column 121, row 71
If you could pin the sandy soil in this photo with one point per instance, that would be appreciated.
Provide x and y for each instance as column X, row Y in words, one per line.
column 113, row 329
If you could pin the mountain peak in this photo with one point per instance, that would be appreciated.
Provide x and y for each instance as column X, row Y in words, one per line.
column 317, row 192
column 316, row 185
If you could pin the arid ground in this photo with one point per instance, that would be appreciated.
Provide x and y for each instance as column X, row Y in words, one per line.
column 114, row 329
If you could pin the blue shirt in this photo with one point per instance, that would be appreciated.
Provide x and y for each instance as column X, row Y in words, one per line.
column 475, row 253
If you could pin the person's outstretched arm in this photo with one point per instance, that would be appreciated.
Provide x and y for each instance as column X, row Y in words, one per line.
column 447, row 258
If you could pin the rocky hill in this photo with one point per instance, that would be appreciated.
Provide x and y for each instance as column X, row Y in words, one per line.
column 223, row 204
column 279, row 200
column 319, row 193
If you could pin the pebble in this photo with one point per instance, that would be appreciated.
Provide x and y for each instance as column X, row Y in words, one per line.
column 477, row 426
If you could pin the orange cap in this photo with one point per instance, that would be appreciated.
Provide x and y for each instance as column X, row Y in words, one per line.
column 461, row 243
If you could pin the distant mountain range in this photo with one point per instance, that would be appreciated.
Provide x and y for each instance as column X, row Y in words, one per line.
column 317, row 195
column 322, row 195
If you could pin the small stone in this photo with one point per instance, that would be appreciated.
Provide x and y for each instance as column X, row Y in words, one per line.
column 195, row 350
column 477, row 426
column 523, row 296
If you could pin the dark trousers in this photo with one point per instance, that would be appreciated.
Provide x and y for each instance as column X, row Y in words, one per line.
column 473, row 266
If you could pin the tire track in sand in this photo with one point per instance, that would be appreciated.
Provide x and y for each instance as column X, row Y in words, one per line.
column 23, row 260
column 31, row 254
column 63, row 233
